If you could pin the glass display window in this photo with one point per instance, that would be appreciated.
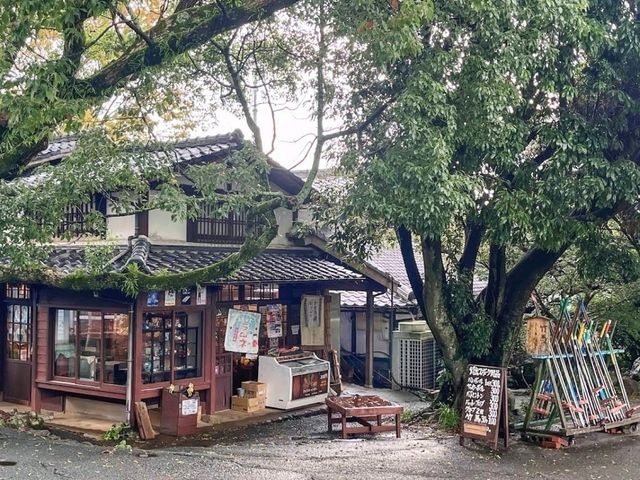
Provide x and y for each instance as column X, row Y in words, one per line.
column 171, row 346
column 90, row 346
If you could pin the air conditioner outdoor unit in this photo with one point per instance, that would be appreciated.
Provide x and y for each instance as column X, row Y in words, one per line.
column 415, row 356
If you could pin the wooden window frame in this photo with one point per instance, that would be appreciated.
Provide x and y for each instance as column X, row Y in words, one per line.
column 18, row 302
column 207, row 228
column 200, row 343
column 76, row 380
column 74, row 220
column 22, row 292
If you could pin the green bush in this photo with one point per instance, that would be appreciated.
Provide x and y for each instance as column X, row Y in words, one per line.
column 448, row 418
column 119, row 432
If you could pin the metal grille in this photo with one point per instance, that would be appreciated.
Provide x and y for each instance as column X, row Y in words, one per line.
column 419, row 359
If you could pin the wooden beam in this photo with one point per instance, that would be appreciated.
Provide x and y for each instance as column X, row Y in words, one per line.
column 368, row 376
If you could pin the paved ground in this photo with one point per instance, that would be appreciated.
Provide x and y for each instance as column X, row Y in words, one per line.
column 301, row 449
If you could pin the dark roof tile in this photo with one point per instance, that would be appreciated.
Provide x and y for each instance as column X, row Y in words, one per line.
column 270, row 266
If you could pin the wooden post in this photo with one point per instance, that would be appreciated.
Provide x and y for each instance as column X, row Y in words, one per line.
column 368, row 377
column 327, row 324
column 135, row 325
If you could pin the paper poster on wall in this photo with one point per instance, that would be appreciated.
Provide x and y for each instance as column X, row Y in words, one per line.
column 185, row 296
column 242, row 331
column 153, row 299
column 201, row 295
column 274, row 321
column 189, row 407
column 312, row 320
column 169, row 298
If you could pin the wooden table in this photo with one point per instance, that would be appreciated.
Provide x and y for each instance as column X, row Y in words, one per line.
column 363, row 409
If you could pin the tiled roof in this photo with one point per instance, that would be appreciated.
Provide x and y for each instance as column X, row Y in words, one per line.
column 354, row 299
column 194, row 150
column 299, row 265
column 186, row 151
column 306, row 265
column 391, row 262
column 326, row 180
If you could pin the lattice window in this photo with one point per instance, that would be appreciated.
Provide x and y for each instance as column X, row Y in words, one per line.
column 19, row 332
column 75, row 219
column 18, row 291
column 210, row 228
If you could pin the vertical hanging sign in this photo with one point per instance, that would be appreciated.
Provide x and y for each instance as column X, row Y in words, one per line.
column 485, row 408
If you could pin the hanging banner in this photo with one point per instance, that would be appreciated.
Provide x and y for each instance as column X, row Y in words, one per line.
column 312, row 320
column 274, row 321
column 242, row 331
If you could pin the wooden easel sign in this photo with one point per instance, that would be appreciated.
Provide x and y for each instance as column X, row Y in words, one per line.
column 485, row 408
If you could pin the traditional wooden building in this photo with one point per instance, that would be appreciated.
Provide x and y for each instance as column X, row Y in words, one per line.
column 102, row 345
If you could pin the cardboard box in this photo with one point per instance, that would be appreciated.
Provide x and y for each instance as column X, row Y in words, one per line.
column 255, row 390
column 246, row 404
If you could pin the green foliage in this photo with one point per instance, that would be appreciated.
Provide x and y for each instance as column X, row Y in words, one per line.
column 98, row 257
column 448, row 417
column 120, row 433
column 621, row 303
column 407, row 416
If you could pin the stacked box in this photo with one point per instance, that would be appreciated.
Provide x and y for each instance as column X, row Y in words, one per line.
column 255, row 390
column 246, row 404
column 255, row 397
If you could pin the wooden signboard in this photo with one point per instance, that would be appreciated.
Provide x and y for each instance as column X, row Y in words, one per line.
column 538, row 336
column 485, row 409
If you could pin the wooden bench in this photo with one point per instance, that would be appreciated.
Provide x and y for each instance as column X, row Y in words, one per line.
column 366, row 410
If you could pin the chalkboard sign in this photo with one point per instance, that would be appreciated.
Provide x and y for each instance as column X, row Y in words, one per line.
column 484, row 412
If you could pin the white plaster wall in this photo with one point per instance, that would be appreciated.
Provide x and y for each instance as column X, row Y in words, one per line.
column 120, row 227
column 162, row 227
column 284, row 218
column 380, row 333
column 305, row 215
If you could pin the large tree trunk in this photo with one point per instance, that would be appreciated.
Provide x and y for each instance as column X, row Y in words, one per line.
column 432, row 304
column 520, row 282
column 505, row 299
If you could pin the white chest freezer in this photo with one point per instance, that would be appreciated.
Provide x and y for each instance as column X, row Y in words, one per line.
column 294, row 380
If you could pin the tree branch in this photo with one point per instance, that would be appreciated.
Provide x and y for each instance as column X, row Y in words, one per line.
column 520, row 283
column 175, row 35
column 364, row 124
column 473, row 238
column 411, row 266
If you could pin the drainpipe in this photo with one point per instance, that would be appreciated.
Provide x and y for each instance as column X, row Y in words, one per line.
column 130, row 364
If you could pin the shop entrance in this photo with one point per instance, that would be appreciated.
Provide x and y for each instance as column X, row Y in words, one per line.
column 233, row 368
column 16, row 364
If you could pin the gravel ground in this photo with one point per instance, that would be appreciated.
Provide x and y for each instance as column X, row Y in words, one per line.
column 301, row 449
